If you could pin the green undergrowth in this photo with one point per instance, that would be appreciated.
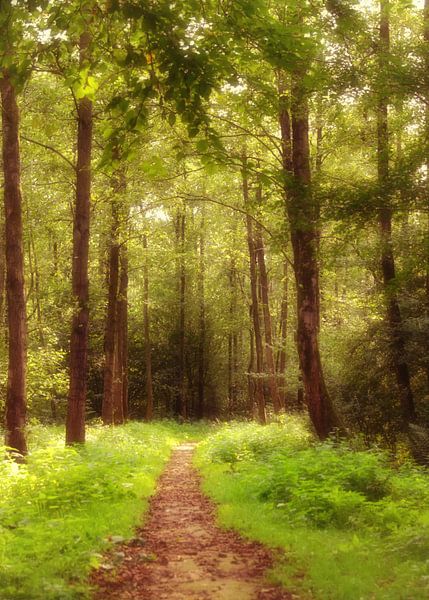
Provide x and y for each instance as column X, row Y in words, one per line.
column 59, row 510
column 354, row 527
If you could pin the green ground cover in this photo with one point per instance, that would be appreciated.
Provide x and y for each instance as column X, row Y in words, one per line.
column 58, row 511
column 353, row 526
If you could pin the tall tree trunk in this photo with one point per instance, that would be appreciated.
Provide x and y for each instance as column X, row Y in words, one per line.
column 268, row 334
column 34, row 288
column 202, row 320
column 123, row 336
column 182, row 408
column 110, row 335
column 426, row 39
column 120, row 380
column 37, row 289
column 394, row 319
column 281, row 357
column 16, row 382
column 232, row 339
column 55, row 261
column 303, row 219
column 286, row 155
column 259, row 389
column 2, row 273
column 30, row 290
column 75, row 423
column 147, row 338
column 230, row 405
column 251, row 387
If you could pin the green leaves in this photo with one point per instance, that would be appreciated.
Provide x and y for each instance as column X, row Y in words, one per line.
column 66, row 507
column 86, row 85
column 202, row 145
column 154, row 167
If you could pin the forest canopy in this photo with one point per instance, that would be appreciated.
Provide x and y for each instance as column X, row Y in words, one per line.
column 216, row 210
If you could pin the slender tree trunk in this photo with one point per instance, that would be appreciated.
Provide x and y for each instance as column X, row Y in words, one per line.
column 394, row 319
column 281, row 366
column 232, row 339
column 110, row 335
column 202, row 320
column 251, row 388
column 259, row 389
column 16, row 382
column 269, row 352
column 426, row 39
column 37, row 290
column 34, row 289
column 120, row 379
column 2, row 271
column 118, row 373
column 182, row 408
column 55, row 269
column 30, row 290
column 230, row 405
column 303, row 212
column 123, row 332
column 319, row 140
column 75, row 424
column 286, row 152
column 147, row 339
column 285, row 130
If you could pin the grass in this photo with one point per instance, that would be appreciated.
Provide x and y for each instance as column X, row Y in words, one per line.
column 59, row 511
column 353, row 526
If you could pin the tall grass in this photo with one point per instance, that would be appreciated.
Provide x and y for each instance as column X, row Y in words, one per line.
column 59, row 510
column 353, row 527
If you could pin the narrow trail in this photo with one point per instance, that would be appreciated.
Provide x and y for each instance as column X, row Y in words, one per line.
column 181, row 554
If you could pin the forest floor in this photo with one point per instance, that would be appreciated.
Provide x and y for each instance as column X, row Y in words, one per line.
column 181, row 553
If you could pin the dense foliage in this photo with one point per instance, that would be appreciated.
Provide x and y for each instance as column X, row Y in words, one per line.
column 199, row 114
column 353, row 522
column 216, row 210
column 65, row 507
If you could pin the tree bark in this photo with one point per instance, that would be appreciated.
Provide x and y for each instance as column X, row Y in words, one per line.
column 37, row 295
column 303, row 218
column 17, row 325
column 232, row 339
column 426, row 40
column 110, row 336
column 120, row 381
column 268, row 334
column 251, row 388
column 2, row 272
column 55, row 261
column 281, row 357
column 181, row 408
column 147, row 338
column 259, row 390
column 75, row 423
column 202, row 320
column 286, row 155
column 123, row 305
column 394, row 319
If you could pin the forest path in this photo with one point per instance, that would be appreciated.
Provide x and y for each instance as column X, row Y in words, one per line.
column 181, row 554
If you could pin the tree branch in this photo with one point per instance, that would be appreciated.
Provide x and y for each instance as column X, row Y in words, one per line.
column 52, row 149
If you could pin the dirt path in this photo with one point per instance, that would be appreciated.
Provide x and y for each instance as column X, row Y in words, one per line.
column 181, row 554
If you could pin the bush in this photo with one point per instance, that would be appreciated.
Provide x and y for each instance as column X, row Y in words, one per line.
column 58, row 511
column 320, row 484
column 235, row 443
column 352, row 524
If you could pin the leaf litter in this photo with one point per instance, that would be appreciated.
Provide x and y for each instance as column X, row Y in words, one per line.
column 182, row 554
